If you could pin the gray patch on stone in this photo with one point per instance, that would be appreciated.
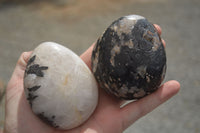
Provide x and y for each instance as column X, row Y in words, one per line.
column 114, row 51
column 141, row 70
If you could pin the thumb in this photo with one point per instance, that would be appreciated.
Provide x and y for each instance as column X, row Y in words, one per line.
column 18, row 73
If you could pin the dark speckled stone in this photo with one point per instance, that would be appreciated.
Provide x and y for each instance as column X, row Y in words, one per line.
column 129, row 59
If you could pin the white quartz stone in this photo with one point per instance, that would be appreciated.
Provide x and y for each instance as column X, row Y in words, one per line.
column 59, row 86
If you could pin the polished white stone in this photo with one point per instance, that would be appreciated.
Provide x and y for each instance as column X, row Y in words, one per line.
column 68, row 92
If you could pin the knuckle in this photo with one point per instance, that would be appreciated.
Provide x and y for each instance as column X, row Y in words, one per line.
column 23, row 59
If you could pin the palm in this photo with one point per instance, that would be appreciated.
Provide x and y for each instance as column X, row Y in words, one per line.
column 104, row 116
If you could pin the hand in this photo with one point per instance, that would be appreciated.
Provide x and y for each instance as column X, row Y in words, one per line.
column 107, row 118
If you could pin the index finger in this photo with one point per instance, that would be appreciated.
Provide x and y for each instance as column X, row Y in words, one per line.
column 159, row 30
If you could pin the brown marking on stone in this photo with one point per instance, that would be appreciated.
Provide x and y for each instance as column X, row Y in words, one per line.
column 123, row 91
column 142, row 71
column 156, row 43
column 66, row 80
column 148, row 35
column 153, row 38
column 129, row 44
column 139, row 94
column 78, row 114
column 148, row 79
column 115, row 50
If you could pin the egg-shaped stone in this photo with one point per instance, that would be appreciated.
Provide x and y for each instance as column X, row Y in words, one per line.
column 129, row 59
column 59, row 86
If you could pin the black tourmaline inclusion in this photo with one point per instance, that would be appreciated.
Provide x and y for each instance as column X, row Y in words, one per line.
column 33, row 68
column 48, row 120
column 129, row 60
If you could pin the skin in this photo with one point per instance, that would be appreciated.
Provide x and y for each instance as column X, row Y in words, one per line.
column 108, row 117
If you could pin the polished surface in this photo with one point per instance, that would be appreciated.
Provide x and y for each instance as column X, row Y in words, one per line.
column 60, row 88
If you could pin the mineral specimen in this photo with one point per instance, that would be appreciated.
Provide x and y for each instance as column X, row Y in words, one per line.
column 129, row 59
column 59, row 87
